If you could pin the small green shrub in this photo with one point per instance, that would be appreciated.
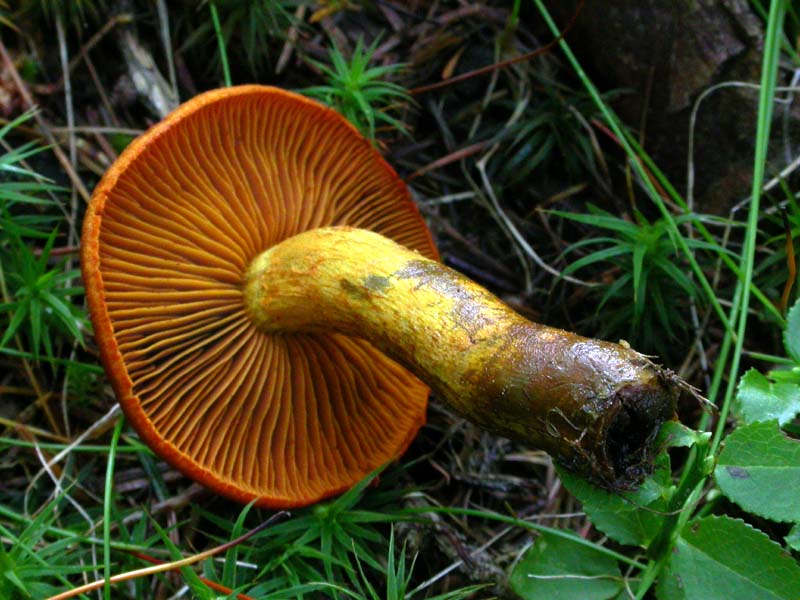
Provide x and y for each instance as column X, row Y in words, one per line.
column 359, row 92
column 35, row 291
column 644, row 289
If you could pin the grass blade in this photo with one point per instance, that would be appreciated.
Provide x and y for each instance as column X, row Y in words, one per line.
column 107, row 500
column 223, row 55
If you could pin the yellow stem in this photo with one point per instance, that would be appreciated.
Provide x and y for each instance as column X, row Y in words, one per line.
column 594, row 405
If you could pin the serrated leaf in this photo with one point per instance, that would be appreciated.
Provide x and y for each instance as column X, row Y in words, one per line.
column 759, row 469
column 633, row 518
column 560, row 569
column 793, row 538
column 759, row 399
column 791, row 335
column 720, row 558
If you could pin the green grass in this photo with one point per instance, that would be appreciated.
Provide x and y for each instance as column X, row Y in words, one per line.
column 77, row 13
column 38, row 295
column 223, row 53
column 35, row 291
column 650, row 293
column 31, row 569
column 250, row 28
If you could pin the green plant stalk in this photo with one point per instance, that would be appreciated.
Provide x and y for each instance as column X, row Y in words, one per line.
column 766, row 96
column 666, row 540
column 87, row 448
column 107, row 500
column 786, row 44
column 97, row 369
column 232, row 555
column 516, row 522
column 223, row 55
column 692, row 477
column 613, row 123
column 703, row 231
column 693, row 474
column 636, row 153
column 772, row 358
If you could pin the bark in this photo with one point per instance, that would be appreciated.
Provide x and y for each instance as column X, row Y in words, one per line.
column 667, row 53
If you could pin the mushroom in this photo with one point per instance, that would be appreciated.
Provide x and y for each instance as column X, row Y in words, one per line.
column 270, row 311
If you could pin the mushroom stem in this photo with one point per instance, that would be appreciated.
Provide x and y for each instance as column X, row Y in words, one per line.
column 595, row 406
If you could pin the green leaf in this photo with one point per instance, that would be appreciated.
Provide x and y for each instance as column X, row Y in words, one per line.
column 676, row 274
column 602, row 219
column 62, row 310
column 674, row 434
column 791, row 335
column 639, row 251
column 35, row 309
column 759, row 399
column 190, row 577
column 8, row 571
column 759, row 469
column 726, row 559
column 633, row 518
column 14, row 324
column 793, row 538
column 615, row 290
column 232, row 555
column 670, row 585
column 560, row 569
column 597, row 256
column 639, row 297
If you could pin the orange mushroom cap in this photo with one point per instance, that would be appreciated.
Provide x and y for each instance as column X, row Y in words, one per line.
column 282, row 419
